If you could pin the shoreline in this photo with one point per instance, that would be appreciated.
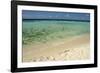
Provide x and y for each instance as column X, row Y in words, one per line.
column 75, row 48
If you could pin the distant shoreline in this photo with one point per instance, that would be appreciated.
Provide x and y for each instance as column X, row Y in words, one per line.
column 55, row 20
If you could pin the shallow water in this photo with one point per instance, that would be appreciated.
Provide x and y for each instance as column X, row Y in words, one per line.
column 47, row 30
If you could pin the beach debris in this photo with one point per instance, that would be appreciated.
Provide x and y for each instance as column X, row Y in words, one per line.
column 42, row 58
column 64, row 53
column 50, row 58
column 67, row 50
column 34, row 60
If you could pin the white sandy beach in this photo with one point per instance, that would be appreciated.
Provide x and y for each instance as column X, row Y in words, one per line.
column 76, row 48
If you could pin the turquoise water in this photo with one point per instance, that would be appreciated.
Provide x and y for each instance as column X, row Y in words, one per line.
column 46, row 30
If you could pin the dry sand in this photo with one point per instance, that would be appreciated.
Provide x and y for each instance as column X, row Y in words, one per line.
column 77, row 48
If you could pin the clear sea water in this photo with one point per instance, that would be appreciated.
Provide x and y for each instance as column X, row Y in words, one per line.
column 45, row 30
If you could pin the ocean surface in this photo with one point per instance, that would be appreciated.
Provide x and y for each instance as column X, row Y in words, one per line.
column 42, row 31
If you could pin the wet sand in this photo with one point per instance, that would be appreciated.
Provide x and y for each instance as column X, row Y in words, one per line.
column 76, row 48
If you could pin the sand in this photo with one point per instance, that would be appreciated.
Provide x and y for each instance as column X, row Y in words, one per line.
column 76, row 48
